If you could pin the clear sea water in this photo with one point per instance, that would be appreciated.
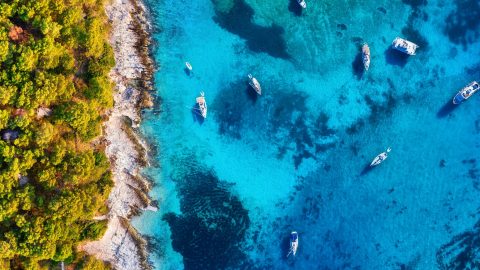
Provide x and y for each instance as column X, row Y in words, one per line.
column 232, row 188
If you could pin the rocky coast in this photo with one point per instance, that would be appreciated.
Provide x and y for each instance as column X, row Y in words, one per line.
column 121, row 245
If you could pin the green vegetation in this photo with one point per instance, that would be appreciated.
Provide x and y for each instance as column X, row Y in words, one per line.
column 54, row 90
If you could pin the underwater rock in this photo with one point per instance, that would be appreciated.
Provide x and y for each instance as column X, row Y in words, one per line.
column 382, row 10
column 461, row 26
column 462, row 252
column 212, row 224
column 238, row 20
column 415, row 3
column 342, row 26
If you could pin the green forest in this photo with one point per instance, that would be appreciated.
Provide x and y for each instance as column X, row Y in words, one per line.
column 54, row 93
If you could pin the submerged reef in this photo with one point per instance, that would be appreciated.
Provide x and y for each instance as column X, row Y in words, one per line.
column 213, row 222
column 237, row 17
column 462, row 252
column 285, row 121
column 462, row 24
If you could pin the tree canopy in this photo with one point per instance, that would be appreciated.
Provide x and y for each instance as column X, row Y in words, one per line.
column 54, row 175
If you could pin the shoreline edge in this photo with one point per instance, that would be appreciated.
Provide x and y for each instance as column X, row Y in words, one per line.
column 121, row 245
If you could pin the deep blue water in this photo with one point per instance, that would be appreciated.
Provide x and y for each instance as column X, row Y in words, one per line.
column 232, row 188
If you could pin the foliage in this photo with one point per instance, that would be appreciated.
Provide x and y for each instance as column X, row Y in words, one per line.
column 95, row 230
column 53, row 179
column 91, row 263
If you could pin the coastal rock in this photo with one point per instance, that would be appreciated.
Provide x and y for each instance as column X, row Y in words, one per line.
column 146, row 100
column 121, row 245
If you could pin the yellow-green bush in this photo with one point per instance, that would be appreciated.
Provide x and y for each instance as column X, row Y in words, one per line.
column 54, row 54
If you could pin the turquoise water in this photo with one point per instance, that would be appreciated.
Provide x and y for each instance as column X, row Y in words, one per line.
column 232, row 188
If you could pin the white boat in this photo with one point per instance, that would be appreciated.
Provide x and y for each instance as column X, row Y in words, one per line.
column 466, row 92
column 293, row 243
column 189, row 66
column 404, row 46
column 302, row 3
column 254, row 84
column 202, row 104
column 366, row 56
column 381, row 157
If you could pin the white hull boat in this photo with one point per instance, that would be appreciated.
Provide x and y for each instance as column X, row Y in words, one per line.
column 366, row 56
column 380, row 158
column 302, row 3
column 466, row 92
column 189, row 66
column 202, row 105
column 293, row 243
column 254, row 84
column 404, row 46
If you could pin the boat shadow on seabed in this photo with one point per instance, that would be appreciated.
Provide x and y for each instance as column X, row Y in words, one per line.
column 251, row 94
column 188, row 72
column 366, row 169
column 285, row 248
column 446, row 109
column 295, row 8
column 357, row 66
column 197, row 116
column 396, row 58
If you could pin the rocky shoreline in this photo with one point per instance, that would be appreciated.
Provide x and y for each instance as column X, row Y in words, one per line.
column 122, row 246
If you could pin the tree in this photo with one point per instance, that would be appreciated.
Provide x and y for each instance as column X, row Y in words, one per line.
column 4, row 116
column 90, row 263
column 80, row 117
column 100, row 89
column 53, row 180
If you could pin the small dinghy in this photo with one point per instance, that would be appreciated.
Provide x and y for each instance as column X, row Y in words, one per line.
column 293, row 243
column 466, row 92
column 380, row 158
column 254, row 84
column 404, row 46
column 302, row 3
column 202, row 105
column 189, row 66
column 366, row 56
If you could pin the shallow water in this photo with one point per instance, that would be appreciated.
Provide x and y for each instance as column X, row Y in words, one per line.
column 232, row 187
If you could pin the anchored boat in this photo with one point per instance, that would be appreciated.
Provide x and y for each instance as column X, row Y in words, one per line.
column 404, row 46
column 302, row 3
column 293, row 243
column 254, row 84
column 202, row 105
column 466, row 92
column 380, row 158
column 189, row 66
column 366, row 56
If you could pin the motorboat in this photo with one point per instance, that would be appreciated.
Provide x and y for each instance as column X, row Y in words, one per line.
column 366, row 56
column 404, row 46
column 189, row 66
column 202, row 105
column 380, row 158
column 466, row 92
column 254, row 84
column 302, row 3
column 293, row 243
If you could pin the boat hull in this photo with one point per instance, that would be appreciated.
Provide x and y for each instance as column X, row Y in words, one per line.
column 293, row 243
column 457, row 99
column 302, row 3
column 380, row 158
column 366, row 56
column 254, row 84
column 466, row 92
column 202, row 105
column 404, row 46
